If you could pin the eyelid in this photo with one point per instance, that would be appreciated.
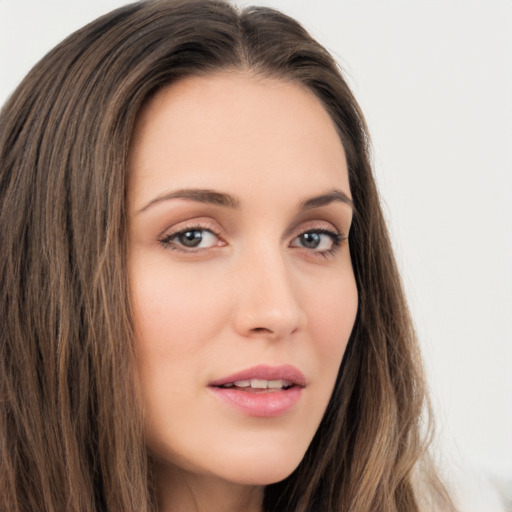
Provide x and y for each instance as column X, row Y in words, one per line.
column 200, row 222
column 325, row 226
column 165, row 238
column 335, row 236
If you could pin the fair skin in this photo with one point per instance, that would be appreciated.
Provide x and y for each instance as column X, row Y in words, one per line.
column 239, row 208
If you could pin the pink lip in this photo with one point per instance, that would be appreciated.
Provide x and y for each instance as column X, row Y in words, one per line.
column 262, row 404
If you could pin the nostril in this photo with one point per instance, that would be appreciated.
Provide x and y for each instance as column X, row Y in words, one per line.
column 262, row 330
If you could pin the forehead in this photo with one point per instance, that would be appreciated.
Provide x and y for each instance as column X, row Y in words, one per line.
column 234, row 129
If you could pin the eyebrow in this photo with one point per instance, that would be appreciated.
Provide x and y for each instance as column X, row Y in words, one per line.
column 195, row 194
column 222, row 199
column 325, row 199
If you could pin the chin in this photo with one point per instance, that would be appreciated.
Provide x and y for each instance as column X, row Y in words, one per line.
column 264, row 468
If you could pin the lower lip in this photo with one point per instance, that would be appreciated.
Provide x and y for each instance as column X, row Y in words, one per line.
column 262, row 404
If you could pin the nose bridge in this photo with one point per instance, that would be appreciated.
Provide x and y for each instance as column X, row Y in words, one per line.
column 267, row 300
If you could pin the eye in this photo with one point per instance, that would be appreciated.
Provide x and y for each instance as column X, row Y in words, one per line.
column 318, row 240
column 190, row 238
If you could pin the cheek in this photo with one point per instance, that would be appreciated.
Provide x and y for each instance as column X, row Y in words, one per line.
column 173, row 310
column 331, row 315
column 175, row 317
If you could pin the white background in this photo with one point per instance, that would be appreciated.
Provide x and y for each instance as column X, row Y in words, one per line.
column 434, row 79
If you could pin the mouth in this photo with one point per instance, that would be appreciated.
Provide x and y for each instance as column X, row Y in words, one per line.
column 259, row 385
column 262, row 391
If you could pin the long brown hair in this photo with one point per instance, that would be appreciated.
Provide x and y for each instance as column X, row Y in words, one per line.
column 70, row 411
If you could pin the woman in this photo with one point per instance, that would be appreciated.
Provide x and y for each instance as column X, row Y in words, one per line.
column 201, row 307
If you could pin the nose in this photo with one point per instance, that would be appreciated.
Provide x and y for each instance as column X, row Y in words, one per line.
column 267, row 298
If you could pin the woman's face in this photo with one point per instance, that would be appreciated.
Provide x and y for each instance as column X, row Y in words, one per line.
column 243, row 290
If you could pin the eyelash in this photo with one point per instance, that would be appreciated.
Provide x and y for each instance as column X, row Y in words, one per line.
column 167, row 240
column 336, row 239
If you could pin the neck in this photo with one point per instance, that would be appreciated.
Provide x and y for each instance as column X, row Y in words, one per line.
column 181, row 491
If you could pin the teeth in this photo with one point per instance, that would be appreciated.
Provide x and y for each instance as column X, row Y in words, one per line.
column 260, row 384
column 242, row 383
column 274, row 384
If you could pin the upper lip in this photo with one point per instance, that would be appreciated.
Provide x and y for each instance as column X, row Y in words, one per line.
column 265, row 372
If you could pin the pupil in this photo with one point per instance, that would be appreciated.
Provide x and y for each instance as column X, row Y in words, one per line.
column 191, row 238
column 311, row 240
